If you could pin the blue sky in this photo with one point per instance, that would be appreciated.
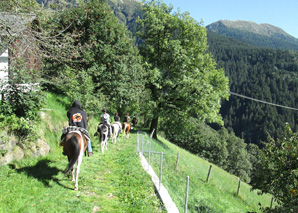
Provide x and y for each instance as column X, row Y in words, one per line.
column 280, row 13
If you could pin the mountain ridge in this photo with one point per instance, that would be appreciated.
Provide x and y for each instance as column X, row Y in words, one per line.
column 261, row 35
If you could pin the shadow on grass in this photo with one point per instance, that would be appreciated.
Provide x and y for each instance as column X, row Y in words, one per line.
column 42, row 172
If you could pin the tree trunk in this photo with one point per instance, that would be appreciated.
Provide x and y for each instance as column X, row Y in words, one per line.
column 153, row 126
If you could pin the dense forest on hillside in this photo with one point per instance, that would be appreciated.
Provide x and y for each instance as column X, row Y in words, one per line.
column 264, row 74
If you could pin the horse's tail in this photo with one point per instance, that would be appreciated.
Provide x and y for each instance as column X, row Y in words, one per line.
column 75, row 148
column 125, row 126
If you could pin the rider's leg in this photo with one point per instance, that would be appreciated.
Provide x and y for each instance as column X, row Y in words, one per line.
column 89, row 148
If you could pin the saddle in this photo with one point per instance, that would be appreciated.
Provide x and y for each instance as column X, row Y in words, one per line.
column 67, row 129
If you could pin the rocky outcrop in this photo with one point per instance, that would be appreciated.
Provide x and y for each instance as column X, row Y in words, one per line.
column 11, row 150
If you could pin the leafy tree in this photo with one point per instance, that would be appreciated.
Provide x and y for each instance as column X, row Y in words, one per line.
column 237, row 161
column 278, row 170
column 105, row 51
column 182, row 77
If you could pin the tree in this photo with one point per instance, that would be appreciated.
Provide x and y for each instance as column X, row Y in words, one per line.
column 278, row 170
column 182, row 76
column 23, row 33
column 105, row 52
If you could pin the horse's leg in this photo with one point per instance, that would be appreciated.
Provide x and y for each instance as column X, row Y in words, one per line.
column 79, row 162
column 106, row 141
column 102, row 147
column 114, row 135
column 72, row 173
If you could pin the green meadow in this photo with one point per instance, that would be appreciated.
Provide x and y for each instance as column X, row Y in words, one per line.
column 115, row 181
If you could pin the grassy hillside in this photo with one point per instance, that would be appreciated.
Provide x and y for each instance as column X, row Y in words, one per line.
column 115, row 181
column 218, row 195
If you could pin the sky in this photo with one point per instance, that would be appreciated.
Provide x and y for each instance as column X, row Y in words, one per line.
column 280, row 13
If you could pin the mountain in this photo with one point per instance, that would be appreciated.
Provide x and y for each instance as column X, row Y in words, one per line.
column 261, row 35
column 127, row 11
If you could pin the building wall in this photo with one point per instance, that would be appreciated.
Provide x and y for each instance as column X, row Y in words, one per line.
column 4, row 66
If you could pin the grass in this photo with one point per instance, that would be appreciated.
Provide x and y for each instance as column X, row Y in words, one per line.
column 115, row 181
column 218, row 195
column 110, row 182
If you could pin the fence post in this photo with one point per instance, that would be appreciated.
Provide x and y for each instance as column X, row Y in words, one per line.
column 177, row 162
column 186, row 196
column 142, row 145
column 239, row 182
column 160, row 175
column 272, row 199
column 138, row 148
column 152, row 133
column 149, row 155
column 209, row 173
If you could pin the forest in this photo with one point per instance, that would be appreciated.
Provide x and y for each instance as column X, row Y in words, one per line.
column 175, row 75
column 265, row 74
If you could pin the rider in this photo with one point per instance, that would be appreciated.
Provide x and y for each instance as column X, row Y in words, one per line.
column 116, row 117
column 78, row 117
column 117, row 120
column 127, row 118
column 105, row 119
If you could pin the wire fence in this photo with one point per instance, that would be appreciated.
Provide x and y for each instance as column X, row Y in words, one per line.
column 165, row 164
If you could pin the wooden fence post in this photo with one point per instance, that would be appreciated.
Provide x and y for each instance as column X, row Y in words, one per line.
column 239, row 182
column 186, row 195
column 208, row 173
column 177, row 162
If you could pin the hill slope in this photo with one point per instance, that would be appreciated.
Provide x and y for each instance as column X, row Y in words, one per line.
column 261, row 35
column 115, row 181
column 264, row 74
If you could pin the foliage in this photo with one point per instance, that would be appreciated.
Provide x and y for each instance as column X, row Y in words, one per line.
column 238, row 159
column 79, row 85
column 221, row 147
column 18, row 6
column 23, row 128
column 278, row 170
column 182, row 77
column 263, row 74
column 22, row 101
column 105, row 51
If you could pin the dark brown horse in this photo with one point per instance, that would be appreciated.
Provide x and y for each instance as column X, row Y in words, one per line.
column 74, row 146
column 126, row 128
column 134, row 122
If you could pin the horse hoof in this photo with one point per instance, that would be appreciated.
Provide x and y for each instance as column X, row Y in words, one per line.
column 76, row 189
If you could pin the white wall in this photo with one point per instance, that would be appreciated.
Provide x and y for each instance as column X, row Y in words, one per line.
column 4, row 66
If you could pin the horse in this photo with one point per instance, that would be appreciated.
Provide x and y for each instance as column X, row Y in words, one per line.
column 126, row 128
column 116, row 127
column 103, row 130
column 134, row 122
column 74, row 145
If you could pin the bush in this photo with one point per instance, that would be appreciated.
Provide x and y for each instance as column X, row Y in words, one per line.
column 23, row 128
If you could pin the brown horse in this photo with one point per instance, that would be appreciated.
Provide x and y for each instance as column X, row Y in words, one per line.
column 126, row 128
column 74, row 146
